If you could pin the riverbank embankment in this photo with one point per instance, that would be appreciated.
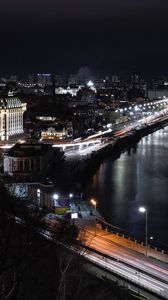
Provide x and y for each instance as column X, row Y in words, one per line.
column 86, row 168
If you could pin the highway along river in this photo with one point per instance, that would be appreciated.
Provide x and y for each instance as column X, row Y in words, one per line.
column 138, row 178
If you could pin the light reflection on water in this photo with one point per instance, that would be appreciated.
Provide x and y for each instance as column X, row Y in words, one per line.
column 139, row 177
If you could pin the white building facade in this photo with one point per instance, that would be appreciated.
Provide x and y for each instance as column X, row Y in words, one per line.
column 11, row 117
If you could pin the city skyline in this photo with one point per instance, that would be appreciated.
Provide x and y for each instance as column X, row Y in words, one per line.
column 83, row 149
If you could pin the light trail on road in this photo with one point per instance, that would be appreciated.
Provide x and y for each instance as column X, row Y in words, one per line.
column 118, row 260
column 139, row 278
column 128, row 256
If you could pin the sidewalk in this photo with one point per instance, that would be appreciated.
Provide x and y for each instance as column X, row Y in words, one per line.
column 88, row 222
column 134, row 245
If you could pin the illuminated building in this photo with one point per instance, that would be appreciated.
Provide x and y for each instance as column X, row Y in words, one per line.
column 44, row 79
column 73, row 80
column 60, row 81
column 68, row 90
column 89, row 97
column 54, row 133
column 11, row 117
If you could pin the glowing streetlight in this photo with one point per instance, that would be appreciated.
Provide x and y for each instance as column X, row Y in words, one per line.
column 144, row 210
column 94, row 203
column 70, row 197
column 55, row 196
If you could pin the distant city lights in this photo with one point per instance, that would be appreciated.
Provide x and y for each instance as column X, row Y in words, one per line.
column 90, row 83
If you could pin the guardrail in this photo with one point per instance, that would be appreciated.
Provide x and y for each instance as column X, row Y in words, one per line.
column 129, row 237
column 103, row 264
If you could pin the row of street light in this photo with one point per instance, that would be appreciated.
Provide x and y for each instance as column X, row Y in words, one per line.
column 141, row 209
column 143, row 106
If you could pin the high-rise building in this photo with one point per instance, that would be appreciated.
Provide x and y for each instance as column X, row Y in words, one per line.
column 32, row 79
column 99, row 83
column 44, row 79
column 89, row 97
column 11, row 117
column 115, row 79
column 73, row 79
column 60, row 81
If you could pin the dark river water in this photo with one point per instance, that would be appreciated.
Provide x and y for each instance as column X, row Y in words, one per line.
column 139, row 177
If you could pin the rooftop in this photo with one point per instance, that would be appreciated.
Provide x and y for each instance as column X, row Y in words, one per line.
column 28, row 149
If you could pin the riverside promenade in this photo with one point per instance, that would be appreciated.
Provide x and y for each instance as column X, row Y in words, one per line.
column 88, row 225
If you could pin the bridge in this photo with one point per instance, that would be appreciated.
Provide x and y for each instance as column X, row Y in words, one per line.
column 78, row 144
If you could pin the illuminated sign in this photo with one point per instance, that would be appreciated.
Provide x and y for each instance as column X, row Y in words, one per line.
column 74, row 215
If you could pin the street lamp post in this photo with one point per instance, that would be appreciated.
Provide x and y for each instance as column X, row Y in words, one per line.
column 144, row 210
column 94, row 203
column 70, row 197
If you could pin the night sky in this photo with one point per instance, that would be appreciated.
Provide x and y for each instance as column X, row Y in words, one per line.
column 108, row 36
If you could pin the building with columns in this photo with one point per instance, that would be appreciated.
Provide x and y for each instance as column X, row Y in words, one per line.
column 28, row 159
column 11, row 117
